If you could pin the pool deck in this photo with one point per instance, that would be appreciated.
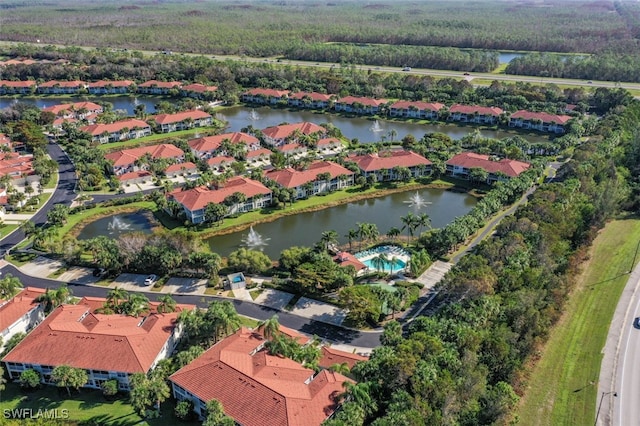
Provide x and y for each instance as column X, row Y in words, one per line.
column 390, row 251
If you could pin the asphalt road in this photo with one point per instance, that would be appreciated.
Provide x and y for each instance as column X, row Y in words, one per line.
column 619, row 382
column 323, row 330
column 64, row 194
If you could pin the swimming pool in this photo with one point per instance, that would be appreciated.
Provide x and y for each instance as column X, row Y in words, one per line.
column 398, row 265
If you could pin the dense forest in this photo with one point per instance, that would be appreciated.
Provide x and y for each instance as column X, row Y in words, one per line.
column 269, row 28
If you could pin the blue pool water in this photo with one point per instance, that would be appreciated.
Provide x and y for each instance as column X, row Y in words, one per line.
column 397, row 266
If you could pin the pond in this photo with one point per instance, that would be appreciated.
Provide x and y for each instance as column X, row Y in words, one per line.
column 125, row 103
column 305, row 229
column 115, row 225
column 365, row 130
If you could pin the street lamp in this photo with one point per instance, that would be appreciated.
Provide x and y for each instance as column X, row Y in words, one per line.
column 600, row 404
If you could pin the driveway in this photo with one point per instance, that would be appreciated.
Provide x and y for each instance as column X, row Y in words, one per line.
column 42, row 266
column 274, row 299
column 319, row 311
column 131, row 282
column 184, row 285
column 79, row 275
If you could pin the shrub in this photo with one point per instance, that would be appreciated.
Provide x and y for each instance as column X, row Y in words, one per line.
column 184, row 409
column 109, row 388
column 29, row 379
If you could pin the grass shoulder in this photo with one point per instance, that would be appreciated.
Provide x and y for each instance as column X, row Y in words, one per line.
column 562, row 385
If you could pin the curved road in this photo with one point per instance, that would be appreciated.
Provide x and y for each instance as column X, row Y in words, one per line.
column 323, row 330
column 63, row 194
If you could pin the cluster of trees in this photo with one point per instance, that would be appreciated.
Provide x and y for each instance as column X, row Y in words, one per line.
column 463, row 364
column 605, row 66
column 397, row 56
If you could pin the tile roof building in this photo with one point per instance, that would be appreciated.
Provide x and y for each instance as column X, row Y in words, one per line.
column 256, row 388
column 108, row 347
column 474, row 114
column 194, row 201
column 264, row 96
column 415, row 109
column 155, row 87
column 384, row 164
column 104, row 87
column 339, row 178
column 541, row 121
column 460, row 165
column 124, row 161
column 313, row 100
column 77, row 110
column 55, row 87
column 182, row 120
column 209, row 146
column 279, row 135
column 118, row 131
column 8, row 87
column 197, row 90
column 359, row 105
column 20, row 313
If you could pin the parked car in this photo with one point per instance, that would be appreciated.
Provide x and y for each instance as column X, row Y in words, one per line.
column 406, row 69
column 98, row 272
column 151, row 279
column 636, row 322
column 466, row 73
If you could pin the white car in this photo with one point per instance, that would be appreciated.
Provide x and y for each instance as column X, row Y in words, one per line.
column 406, row 69
column 151, row 279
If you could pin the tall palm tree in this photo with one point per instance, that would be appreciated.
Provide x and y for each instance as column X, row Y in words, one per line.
column 393, row 232
column 329, row 238
column 136, row 305
column 167, row 304
column 9, row 286
column 423, row 221
column 351, row 235
column 340, row 368
column 379, row 261
column 409, row 223
column 269, row 327
column 116, row 296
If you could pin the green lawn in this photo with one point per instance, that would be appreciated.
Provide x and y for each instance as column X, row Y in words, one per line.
column 155, row 138
column 562, row 389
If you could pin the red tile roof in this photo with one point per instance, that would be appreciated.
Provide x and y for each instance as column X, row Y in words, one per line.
column 114, row 83
column 53, row 83
column 545, row 117
column 258, row 152
column 429, row 106
column 389, row 160
column 211, row 143
column 469, row 160
column 289, row 147
column 178, row 167
column 139, row 174
column 350, row 100
column 13, row 309
column 126, row 157
column 60, row 121
column 258, row 389
column 162, row 84
column 194, row 114
column 198, row 198
column 267, row 92
column 98, row 129
column 329, row 141
column 220, row 159
column 472, row 109
column 199, row 88
column 77, row 106
column 17, row 84
column 283, row 131
column 332, row 356
column 291, row 178
column 314, row 96
column 76, row 335
column 15, row 165
column 347, row 259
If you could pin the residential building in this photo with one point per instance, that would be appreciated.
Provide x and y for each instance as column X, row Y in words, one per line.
column 155, row 87
column 135, row 177
column 541, row 121
column 182, row 120
column 384, row 165
column 259, row 156
column 8, row 87
column 208, row 146
column 55, row 87
column 311, row 100
column 194, row 201
column 128, row 160
column 118, row 131
column 331, row 356
column 76, row 110
column 106, row 346
column 220, row 162
column 359, row 105
column 20, row 313
column 264, row 96
column 474, row 114
column 416, row 109
column 198, row 91
column 256, row 388
column 17, row 166
column 319, row 177
column 288, row 133
column 498, row 169
column 104, row 87
column 293, row 149
column 178, row 169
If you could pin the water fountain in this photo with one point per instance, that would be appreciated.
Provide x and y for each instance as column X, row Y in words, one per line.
column 417, row 201
column 253, row 115
column 118, row 225
column 375, row 127
column 253, row 240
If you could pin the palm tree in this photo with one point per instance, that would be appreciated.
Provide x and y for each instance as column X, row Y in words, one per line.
column 167, row 304
column 393, row 232
column 340, row 368
column 351, row 235
column 423, row 220
column 136, row 305
column 409, row 223
column 116, row 296
column 269, row 327
column 379, row 261
column 329, row 238
column 9, row 286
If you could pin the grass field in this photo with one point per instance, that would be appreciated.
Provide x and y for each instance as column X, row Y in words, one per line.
column 562, row 389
